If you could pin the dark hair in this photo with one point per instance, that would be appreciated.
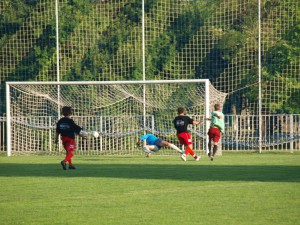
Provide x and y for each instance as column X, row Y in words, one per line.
column 217, row 106
column 180, row 110
column 66, row 110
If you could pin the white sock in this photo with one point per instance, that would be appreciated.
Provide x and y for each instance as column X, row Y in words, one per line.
column 175, row 148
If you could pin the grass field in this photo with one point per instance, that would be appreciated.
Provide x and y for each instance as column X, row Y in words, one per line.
column 235, row 189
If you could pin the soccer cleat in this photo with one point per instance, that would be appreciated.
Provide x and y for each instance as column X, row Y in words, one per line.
column 72, row 167
column 208, row 155
column 63, row 164
column 183, row 157
column 148, row 154
column 197, row 157
column 212, row 158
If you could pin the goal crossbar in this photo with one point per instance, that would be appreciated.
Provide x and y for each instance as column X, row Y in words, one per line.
column 107, row 82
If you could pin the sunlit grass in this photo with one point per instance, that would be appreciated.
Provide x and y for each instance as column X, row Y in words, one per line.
column 237, row 188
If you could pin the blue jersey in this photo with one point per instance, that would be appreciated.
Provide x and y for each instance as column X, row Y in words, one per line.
column 150, row 138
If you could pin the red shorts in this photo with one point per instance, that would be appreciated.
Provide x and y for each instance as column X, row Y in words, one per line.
column 185, row 138
column 214, row 133
column 68, row 143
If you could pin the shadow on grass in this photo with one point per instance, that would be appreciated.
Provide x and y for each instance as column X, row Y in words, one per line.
column 158, row 171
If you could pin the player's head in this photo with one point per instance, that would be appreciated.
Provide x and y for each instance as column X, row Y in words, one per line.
column 180, row 110
column 66, row 110
column 218, row 107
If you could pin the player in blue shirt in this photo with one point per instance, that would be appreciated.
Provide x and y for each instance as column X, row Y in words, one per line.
column 151, row 144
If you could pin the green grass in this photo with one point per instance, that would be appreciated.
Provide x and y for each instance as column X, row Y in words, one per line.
column 235, row 189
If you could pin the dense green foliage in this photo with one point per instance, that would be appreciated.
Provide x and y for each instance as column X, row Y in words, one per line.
column 114, row 52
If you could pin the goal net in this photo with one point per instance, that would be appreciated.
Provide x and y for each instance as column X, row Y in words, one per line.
column 120, row 111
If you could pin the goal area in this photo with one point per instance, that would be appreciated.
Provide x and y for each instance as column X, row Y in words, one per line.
column 120, row 111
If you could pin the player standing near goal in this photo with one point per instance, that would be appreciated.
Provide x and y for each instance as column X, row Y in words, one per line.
column 181, row 123
column 215, row 131
column 151, row 144
column 67, row 129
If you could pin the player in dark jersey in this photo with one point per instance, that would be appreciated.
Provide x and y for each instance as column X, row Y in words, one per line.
column 67, row 129
column 181, row 123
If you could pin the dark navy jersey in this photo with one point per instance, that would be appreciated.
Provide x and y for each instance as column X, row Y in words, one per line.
column 67, row 127
column 181, row 123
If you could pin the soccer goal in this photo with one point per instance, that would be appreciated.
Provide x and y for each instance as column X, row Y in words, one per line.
column 120, row 111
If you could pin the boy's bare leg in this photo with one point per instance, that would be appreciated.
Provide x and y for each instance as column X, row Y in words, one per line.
column 215, row 149
column 209, row 147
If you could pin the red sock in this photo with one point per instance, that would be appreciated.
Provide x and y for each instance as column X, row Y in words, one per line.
column 70, row 162
column 189, row 151
column 69, row 158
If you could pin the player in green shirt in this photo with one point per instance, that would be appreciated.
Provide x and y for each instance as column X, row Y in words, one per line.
column 217, row 127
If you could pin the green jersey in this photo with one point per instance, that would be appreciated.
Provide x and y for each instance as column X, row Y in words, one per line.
column 215, row 121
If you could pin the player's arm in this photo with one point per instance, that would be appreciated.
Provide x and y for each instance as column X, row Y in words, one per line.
column 138, row 143
column 56, row 137
column 142, row 138
column 174, row 123
column 79, row 130
column 56, row 134
column 217, row 115
column 196, row 122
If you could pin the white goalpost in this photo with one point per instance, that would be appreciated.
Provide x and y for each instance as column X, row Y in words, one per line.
column 120, row 111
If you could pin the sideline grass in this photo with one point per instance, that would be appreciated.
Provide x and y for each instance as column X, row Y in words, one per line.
column 235, row 189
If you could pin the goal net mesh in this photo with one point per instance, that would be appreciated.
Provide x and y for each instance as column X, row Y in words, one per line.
column 103, row 40
column 119, row 112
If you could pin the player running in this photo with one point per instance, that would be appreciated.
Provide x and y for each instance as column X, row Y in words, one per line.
column 181, row 123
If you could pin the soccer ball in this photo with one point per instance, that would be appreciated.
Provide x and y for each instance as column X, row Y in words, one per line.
column 95, row 134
